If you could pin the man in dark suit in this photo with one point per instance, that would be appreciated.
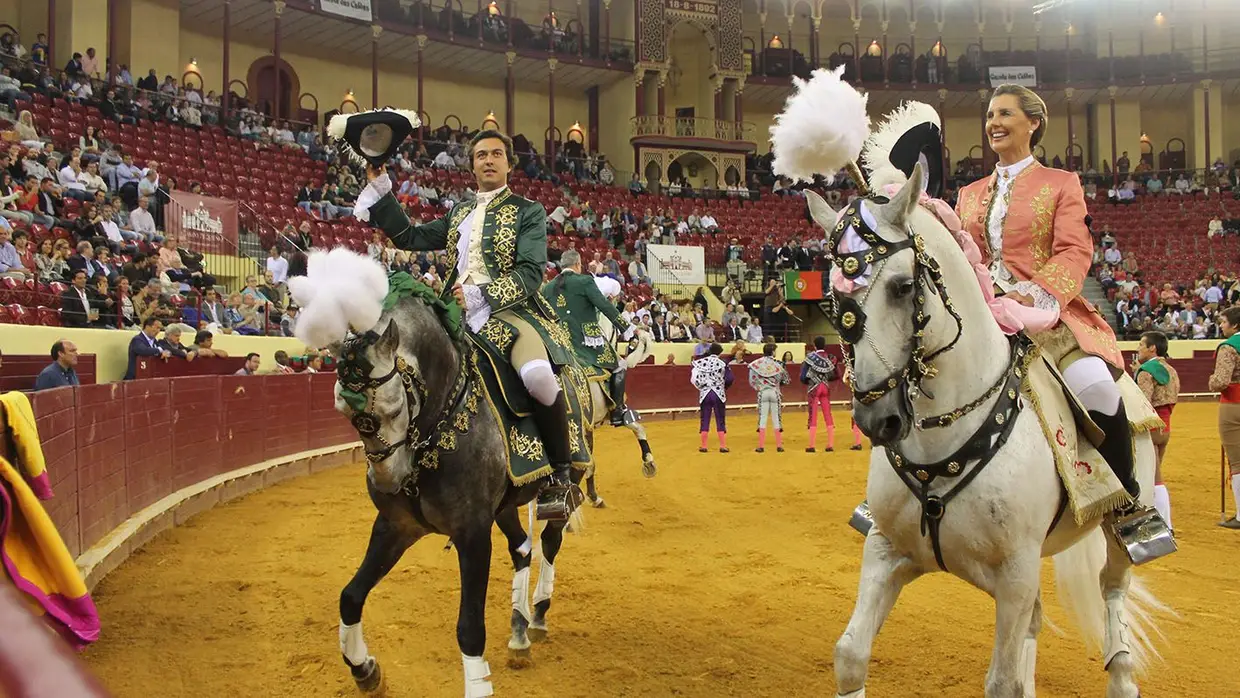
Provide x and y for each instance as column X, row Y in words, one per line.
column 75, row 305
column 144, row 344
column 658, row 329
column 84, row 260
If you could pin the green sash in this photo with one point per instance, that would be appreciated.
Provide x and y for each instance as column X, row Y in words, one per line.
column 1232, row 341
column 1155, row 368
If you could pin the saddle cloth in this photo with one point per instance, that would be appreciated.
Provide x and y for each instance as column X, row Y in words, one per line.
column 1093, row 489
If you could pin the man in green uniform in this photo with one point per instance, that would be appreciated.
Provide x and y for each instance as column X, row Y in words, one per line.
column 497, row 254
column 579, row 302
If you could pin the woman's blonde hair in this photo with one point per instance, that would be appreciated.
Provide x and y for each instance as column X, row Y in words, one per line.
column 1031, row 104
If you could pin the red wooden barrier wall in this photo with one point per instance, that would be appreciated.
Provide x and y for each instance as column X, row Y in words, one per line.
column 19, row 371
column 115, row 448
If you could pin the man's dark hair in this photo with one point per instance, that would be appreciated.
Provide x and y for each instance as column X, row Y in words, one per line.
column 715, row 349
column 1233, row 315
column 202, row 336
column 768, row 349
column 820, row 342
column 58, row 348
column 149, row 322
column 45, row 179
column 19, row 234
column 251, row 355
column 492, row 133
column 1158, row 341
column 74, row 275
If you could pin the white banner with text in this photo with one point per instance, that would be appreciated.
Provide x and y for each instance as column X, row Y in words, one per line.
column 353, row 9
column 1024, row 75
column 676, row 264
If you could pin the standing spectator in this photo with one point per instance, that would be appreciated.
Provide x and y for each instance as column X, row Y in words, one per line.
column 62, row 371
column 251, row 365
column 144, row 344
column 76, row 309
column 277, row 266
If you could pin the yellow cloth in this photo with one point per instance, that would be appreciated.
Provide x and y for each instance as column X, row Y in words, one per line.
column 25, row 431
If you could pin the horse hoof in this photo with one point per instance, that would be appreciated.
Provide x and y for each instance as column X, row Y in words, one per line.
column 372, row 683
column 649, row 469
column 599, row 503
column 538, row 634
column 519, row 659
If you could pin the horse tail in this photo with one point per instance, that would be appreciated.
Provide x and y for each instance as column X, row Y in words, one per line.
column 1077, row 570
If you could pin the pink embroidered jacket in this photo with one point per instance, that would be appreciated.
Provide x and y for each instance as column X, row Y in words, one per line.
column 1045, row 240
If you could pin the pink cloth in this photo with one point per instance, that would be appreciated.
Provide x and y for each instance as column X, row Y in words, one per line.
column 1011, row 315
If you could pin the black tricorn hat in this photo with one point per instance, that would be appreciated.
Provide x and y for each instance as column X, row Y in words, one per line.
column 373, row 136
column 910, row 134
column 921, row 143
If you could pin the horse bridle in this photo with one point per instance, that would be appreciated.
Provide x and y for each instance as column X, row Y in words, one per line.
column 848, row 317
column 354, row 371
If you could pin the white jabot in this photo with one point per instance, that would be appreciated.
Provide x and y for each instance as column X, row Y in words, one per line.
column 370, row 196
column 1005, row 176
column 472, row 266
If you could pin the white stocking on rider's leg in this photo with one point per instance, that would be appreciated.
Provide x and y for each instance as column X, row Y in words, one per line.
column 1091, row 381
column 539, row 380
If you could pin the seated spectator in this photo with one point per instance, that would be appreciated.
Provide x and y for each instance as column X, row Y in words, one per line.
column 251, row 365
column 204, row 343
column 70, row 183
column 102, row 302
column 149, row 303
column 49, row 207
column 288, row 323
column 76, row 310
column 314, row 363
column 171, row 343
column 85, row 260
column 11, row 265
column 144, row 344
column 26, row 133
column 63, row 369
column 282, row 363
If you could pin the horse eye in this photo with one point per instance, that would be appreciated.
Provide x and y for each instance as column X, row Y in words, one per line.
column 904, row 288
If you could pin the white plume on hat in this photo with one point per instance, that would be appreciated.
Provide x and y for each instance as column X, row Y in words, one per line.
column 822, row 128
column 341, row 290
column 877, row 150
column 609, row 287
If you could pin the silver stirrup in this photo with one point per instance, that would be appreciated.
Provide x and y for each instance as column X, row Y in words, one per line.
column 1143, row 535
column 862, row 520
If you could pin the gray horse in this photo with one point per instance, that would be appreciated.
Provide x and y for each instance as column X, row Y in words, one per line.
column 405, row 384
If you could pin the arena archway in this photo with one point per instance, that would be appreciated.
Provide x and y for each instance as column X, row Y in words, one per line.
column 261, row 86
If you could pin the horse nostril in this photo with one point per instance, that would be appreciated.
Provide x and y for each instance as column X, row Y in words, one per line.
column 889, row 428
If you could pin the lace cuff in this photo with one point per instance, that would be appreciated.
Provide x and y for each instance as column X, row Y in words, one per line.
column 477, row 310
column 370, row 196
column 1042, row 299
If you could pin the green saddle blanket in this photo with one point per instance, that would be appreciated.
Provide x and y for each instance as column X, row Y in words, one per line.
column 514, row 408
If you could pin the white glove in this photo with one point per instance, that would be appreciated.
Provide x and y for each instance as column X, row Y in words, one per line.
column 370, row 196
column 477, row 310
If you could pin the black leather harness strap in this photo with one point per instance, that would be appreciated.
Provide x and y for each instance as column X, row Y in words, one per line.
column 981, row 447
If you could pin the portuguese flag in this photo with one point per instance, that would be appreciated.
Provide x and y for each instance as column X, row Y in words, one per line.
column 803, row 285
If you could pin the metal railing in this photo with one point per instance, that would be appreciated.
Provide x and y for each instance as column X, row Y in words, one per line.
column 691, row 127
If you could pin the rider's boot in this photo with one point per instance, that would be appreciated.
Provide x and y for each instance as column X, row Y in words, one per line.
column 559, row 497
column 1139, row 529
column 616, row 387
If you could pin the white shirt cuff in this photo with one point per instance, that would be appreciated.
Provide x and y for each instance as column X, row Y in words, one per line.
column 1042, row 299
column 370, row 196
column 477, row 310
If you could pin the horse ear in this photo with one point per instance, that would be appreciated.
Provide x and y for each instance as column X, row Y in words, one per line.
column 902, row 205
column 386, row 346
column 820, row 210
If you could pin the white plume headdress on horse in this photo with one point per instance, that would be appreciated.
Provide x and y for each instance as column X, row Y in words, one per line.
column 821, row 129
column 909, row 135
column 341, row 290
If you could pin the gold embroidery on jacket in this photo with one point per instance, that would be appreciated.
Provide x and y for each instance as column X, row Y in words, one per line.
column 1041, row 231
column 505, row 290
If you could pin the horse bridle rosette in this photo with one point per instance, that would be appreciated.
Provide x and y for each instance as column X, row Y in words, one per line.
column 354, row 372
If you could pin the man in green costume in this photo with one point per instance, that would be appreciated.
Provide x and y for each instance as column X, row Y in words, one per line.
column 497, row 255
column 579, row 302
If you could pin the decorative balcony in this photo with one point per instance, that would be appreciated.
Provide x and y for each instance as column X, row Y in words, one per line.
column 692, row 132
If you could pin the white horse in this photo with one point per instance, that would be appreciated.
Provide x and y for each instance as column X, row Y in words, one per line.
column 995, row 532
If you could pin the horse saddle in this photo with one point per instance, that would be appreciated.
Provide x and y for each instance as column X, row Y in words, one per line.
column 1093, row 489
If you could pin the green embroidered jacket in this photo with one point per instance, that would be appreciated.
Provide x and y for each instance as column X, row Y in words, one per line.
column 514, row 247
column 578, row 302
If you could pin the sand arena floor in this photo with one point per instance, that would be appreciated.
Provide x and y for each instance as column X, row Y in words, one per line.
column 726, row 575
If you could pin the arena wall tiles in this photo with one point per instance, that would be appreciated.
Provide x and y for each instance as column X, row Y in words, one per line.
column 128, row 460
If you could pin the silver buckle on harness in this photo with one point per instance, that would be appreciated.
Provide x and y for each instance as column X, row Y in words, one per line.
column 862, row 520
column 1143, row 535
